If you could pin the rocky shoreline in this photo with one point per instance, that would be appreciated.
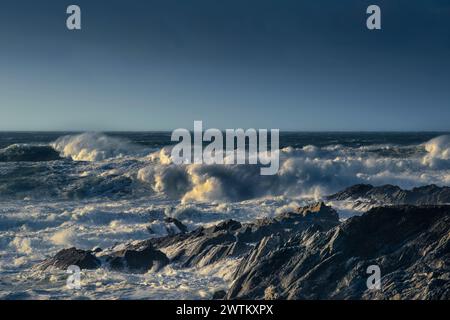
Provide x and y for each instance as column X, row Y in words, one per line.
column 307, row 253
column 366, row 196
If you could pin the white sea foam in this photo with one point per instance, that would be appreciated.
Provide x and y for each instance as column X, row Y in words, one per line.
column 94, row 146
column 64, row 237
column 438, row 152
column 309, row 171
column 122, row 192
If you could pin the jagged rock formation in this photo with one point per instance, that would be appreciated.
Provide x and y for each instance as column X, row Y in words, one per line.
column 234, row 239
column 393, row 195
column 411, row 245
column 138, row 257
column 72, row 256
column 171, row 225
column 180, row 226
column 198, row 248
column 305, row 254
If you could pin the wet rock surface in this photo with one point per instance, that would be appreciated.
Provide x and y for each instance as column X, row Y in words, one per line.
column 137, row 257
column 72, row 256
column 304, row 254
column 394, row 195
column 203, row 246
column 411, row 245
column 232, row 239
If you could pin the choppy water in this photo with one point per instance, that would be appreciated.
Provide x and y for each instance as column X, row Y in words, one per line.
column 90, row 189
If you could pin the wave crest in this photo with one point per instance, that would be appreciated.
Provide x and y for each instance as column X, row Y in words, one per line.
column 438, row 152
column 94, row 146
column 309, row 171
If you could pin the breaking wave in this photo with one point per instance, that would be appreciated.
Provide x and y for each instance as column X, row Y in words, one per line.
column 93, row 146
column 309, row 171
column 98, row 190
column 438, row 152
column 107, row 166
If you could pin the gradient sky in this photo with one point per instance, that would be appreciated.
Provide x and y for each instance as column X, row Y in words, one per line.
column 288, row 64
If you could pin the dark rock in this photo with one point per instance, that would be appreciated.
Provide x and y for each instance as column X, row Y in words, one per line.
column 72, row 256
column 177, row 223
column 393, row 195
column 137, row 258
column 411, row 245
column 317, row 214
column 307, row 253
column 354, row 192
column 219, row 295
column 173, row 226
column 233, row 239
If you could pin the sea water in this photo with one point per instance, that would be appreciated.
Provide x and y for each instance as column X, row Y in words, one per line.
column 86, row 190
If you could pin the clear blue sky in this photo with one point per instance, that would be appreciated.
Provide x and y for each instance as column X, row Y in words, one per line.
column 288, row 64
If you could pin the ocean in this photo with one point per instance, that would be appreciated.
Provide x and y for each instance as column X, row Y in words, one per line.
column 87, row 190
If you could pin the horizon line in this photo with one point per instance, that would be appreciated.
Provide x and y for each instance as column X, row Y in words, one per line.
column 281, row 131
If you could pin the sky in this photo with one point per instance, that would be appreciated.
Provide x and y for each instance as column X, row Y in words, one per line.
column 286, row 64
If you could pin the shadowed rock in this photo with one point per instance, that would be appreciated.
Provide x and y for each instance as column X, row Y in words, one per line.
column 72, row 256
column 137, row 257
column 171, row 226
column 304, row 254
column 231, row 239
column 219, row 295
column 198, row 248
column 393, row 195
column 411, row 245
column 177, row 223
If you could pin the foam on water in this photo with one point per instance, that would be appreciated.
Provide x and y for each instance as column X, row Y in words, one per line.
column 107, row 190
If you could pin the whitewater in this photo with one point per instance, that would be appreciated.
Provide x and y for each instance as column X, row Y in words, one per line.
column 87, row 190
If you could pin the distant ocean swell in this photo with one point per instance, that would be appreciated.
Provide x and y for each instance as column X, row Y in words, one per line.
column 93, row 165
